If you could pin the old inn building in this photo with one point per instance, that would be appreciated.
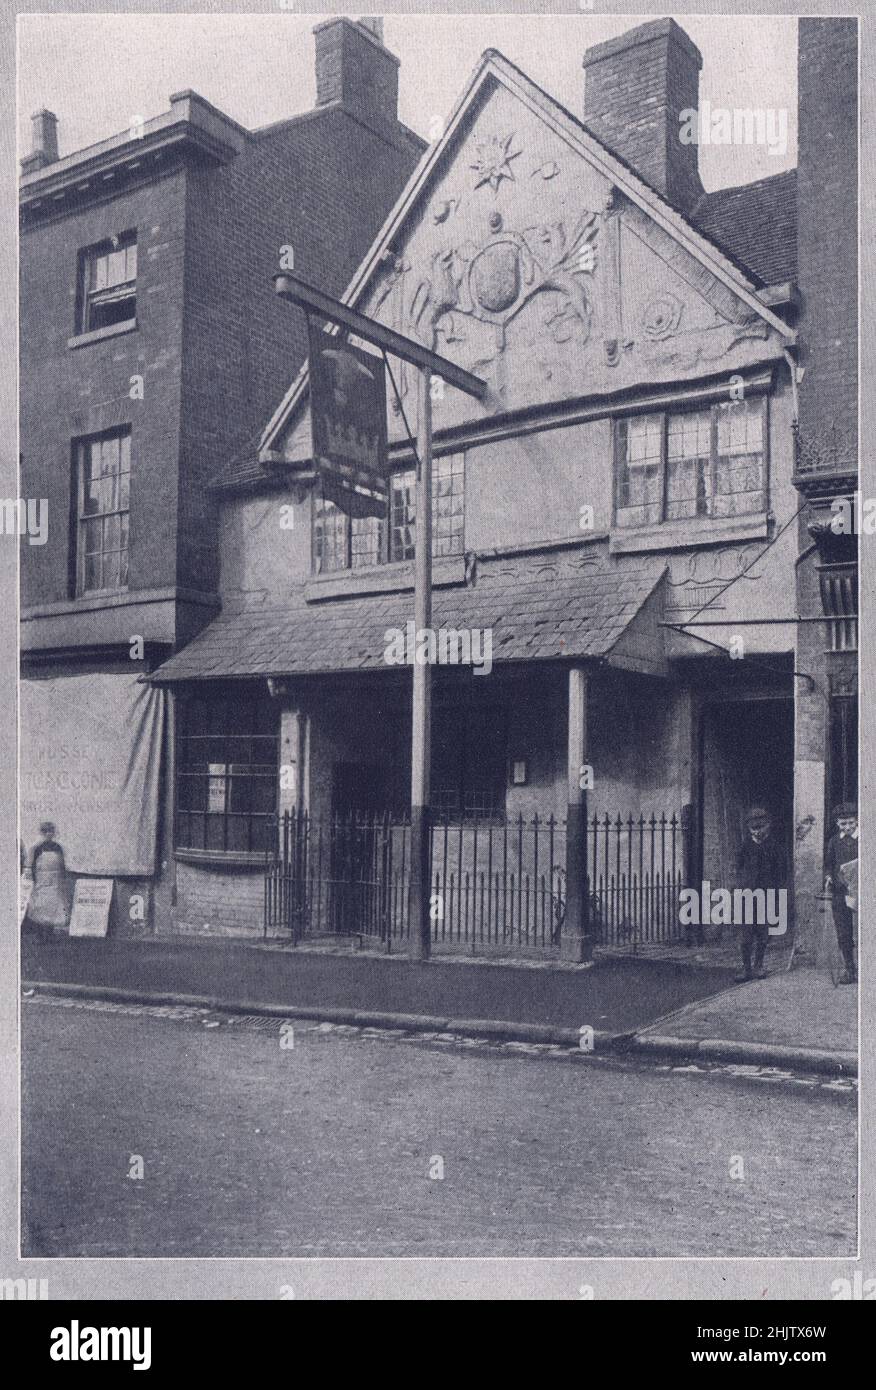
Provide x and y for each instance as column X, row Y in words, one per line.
column 621, row 514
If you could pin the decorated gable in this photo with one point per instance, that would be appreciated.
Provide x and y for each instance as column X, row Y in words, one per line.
column 525, row 262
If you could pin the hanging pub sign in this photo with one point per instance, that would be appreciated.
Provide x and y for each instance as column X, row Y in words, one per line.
column 348, row 423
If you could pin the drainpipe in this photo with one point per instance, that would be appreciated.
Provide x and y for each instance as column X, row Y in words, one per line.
column 795, row 394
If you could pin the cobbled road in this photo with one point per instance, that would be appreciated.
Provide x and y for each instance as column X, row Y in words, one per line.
column 256, row 1140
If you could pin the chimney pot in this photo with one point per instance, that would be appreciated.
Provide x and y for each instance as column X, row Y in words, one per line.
column 44, row 144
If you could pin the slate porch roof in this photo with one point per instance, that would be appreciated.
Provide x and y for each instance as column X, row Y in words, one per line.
column 541, row 608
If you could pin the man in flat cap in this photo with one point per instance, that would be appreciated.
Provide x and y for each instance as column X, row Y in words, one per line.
column 760, row 863
column 841, row 881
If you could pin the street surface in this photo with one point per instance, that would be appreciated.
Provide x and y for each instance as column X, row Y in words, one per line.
column 336, row 1145
column 615, row 996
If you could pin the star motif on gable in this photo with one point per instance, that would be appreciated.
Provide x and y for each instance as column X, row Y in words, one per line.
column 494, row 161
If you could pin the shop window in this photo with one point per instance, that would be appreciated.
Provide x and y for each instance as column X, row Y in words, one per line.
column 679, row 465
column 227, row 771
column 103, row 481
column 108, row 284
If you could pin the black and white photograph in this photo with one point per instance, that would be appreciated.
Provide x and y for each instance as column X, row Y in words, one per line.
column 435, row 646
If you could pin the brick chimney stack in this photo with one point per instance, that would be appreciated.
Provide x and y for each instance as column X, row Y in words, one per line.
column 374, row 24
column 635, row 91
column 44, row 149
column 354, row 67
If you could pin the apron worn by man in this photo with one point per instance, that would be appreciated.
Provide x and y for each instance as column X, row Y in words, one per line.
column 48, row 898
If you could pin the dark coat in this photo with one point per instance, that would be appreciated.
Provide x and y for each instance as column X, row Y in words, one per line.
column 761, row 865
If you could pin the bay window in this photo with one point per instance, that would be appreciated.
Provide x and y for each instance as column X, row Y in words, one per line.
column 227, row 770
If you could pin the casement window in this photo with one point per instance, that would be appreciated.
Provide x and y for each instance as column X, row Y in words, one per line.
column 448, row 505
column 227, row 778
column 103, row 481
column 108, row 284
column 341, row 542
column 469, row 761
column 680, row 465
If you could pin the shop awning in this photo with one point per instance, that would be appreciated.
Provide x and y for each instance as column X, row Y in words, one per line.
column 580, row 604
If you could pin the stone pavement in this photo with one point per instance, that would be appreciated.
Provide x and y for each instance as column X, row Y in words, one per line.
column 792, row 1016
column 613, row 997
column 683, row 1004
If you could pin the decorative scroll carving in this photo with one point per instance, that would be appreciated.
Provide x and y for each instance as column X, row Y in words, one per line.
column 491, row 281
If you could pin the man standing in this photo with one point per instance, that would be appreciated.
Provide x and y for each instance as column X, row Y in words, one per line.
column 47, row 907
column 840, row 869
column 760, row 863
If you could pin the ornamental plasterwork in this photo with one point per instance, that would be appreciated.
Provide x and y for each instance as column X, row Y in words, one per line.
column 493, row 162
column 662, row 316
column 715, row 565
column 511, row 233
column 488, row 281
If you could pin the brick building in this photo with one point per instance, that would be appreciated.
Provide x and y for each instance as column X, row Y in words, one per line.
column 152, row 350
column 620, row 514
column 826, row 471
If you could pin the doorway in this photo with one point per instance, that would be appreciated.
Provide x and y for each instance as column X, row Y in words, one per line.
column 360, row 850
column 746, row 759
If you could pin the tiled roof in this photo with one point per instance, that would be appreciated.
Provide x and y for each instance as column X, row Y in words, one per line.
column 756, row 223
column 546, row 607
column 244, row 473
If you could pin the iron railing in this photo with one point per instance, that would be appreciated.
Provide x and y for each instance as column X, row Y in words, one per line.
column 494, row 883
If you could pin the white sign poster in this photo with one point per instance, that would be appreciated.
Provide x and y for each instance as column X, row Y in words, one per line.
column 90, row 758
column 91, row 905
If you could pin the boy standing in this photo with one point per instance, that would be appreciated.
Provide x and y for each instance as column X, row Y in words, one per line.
column 840, row 869
column 760, row 863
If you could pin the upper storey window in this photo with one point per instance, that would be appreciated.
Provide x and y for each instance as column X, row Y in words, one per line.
column 341, row 543
column 108, row 284
column 678, row 465
column 103, row 489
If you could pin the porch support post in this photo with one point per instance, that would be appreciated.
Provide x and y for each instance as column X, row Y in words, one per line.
column 576, row 941
column 419, row 920
column 291, row 762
